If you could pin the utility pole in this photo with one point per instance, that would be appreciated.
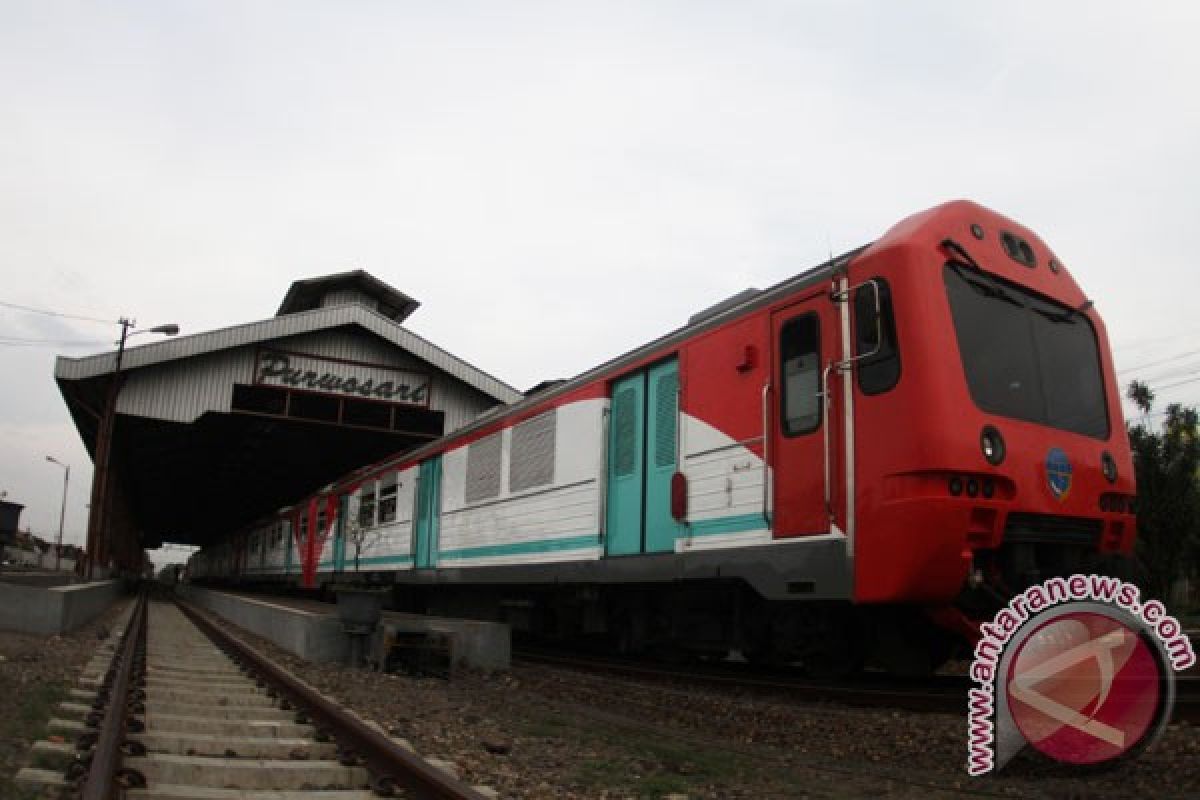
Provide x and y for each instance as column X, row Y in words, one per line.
column 99, row 535
column 62, row 515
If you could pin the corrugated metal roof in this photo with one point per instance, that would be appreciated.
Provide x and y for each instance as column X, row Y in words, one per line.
column 183, row 347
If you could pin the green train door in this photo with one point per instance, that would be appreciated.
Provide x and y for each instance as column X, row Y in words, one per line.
column 339, row 540
column 429, row 484
column 642, row 447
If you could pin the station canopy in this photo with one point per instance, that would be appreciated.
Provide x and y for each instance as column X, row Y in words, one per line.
column 216, row 430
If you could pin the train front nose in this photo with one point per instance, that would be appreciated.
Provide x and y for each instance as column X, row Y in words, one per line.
column 1071, row 511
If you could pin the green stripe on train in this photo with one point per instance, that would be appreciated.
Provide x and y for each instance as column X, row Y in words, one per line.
column 736, row 524
column 708, row 527
column 521, row 548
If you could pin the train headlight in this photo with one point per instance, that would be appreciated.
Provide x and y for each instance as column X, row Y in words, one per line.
column 1108, row 465
column 992, row 444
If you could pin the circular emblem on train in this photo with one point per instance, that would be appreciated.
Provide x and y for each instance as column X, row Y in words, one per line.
column 1085, row 688
column 1058, row 473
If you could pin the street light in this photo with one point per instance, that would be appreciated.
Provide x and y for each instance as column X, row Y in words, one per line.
column 62, row 515
column 98, row 522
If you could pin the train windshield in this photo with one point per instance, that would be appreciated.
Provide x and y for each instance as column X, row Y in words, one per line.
column 1027, row 357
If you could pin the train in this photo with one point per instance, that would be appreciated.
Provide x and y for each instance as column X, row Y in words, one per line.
column 854, row 466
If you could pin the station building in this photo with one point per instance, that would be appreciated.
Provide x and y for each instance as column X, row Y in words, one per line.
column 213, row 430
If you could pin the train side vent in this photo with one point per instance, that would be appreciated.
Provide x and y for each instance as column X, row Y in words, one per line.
column 532, row 457
column 624, row 424
column 665, row 417
column 483, row 469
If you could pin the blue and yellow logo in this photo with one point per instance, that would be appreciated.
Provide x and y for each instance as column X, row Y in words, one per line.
column 1058, row 473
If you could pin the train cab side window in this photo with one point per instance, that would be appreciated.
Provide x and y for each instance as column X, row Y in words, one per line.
column 879, row 372
column 366, row 506
column 387, row 499
column 800, row 363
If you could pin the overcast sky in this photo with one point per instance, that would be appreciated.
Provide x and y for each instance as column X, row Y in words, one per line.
column 559, row 182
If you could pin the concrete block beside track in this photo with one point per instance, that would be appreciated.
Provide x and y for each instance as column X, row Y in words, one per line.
column 474, row 644
column 312, row 636
column 317, row 635
column 56, row 609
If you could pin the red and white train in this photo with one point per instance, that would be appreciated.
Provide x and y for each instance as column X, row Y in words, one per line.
column 856, row 463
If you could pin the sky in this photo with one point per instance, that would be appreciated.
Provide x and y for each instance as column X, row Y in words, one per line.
column 559, row 182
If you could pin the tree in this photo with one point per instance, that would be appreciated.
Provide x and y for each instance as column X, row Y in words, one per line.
column 359, row 527
column 1168, row 506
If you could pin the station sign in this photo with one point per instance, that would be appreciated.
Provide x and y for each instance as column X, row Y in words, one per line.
column 338, row 377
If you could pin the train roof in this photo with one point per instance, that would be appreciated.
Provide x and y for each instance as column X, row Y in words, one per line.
column 725, row 311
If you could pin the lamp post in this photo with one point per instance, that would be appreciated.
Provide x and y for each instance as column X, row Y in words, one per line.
column 62, row 515
column 98, row 517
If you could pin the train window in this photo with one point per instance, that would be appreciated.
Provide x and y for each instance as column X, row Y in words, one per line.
column 366, row 506
column 303, row 526
column 387, row 499
column 800, row 349
column 483, row 469
column 322, row 516
column 1025, row 356
column 879, row 372
column 533, row 453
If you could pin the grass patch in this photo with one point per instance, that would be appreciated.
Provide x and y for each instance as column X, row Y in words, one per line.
column 636, row 761
column 25, row 725
column 38, row 703
column 615, row 773
column 546, row 728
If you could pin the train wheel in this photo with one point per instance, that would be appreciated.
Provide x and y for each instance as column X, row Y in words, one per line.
column 907, row 643
column 831, row 657
column 629, row 634
column 826, row 639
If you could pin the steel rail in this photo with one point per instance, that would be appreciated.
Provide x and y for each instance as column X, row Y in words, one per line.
column 391, row 765
column 945, row 694
column 106, row 756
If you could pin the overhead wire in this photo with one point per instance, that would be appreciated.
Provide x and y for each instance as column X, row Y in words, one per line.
column 1159, row 362
column 48, row 313
column 21, row 340
column 1177, row 383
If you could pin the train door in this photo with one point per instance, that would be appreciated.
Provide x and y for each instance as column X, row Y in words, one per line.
column 425, row 520
column 804, row 337
column 289, row 541
column 643, row 452
column 339, row 542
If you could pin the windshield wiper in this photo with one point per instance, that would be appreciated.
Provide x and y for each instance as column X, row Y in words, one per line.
column 1067, row 314
column 989, row 286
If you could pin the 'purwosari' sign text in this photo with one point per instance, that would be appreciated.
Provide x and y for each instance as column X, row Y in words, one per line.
column 315, row 374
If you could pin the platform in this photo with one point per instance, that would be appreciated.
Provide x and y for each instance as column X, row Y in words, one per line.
column 312, row 631
column 55, row 609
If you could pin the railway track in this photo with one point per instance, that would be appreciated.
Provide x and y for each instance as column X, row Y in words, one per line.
column 938, row 694
column 184, row 711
